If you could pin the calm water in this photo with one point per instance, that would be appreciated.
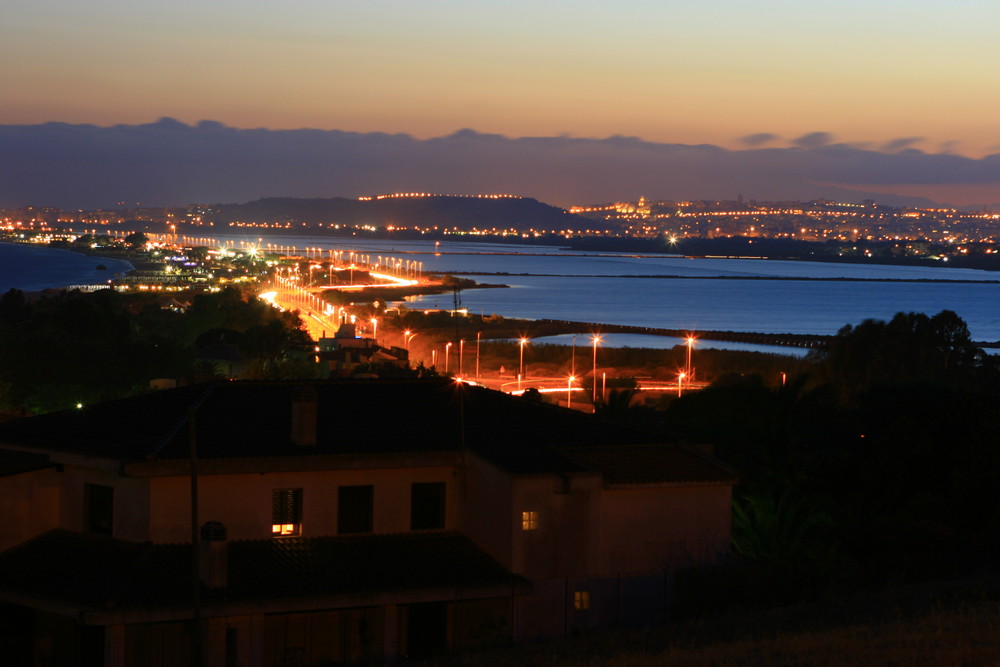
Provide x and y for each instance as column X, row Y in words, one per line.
column 31, row 268
column 792, row 306
column 624, row 289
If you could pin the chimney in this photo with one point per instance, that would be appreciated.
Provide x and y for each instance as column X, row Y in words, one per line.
column 304, row 417
column 213, row 555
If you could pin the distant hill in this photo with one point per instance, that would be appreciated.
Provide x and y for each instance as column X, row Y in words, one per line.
column 437, row 211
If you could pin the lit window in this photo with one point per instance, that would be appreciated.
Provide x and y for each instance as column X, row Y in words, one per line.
column 286, row 512
column 529, row 520
column 581, row 600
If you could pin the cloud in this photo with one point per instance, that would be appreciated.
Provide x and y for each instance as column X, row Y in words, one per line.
column 813, row 140
column 759, row 139
column 171, row 163
column 950, row 146
column 900, row 143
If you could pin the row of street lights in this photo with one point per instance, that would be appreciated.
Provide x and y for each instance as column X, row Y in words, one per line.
column 686, row 375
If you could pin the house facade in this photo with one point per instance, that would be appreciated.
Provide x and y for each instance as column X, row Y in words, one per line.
column 337, row 522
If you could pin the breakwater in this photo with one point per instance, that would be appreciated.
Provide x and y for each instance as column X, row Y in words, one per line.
column 549, row 327
column 812, row 341
column 514, row 328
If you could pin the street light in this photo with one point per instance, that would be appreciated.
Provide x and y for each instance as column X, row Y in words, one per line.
column 461, row 357
column 680, row 381
column 569, row 391
column 447, row 349
column 375, row 329
column 690, row 344
column 597, row 339
column 477, row 353
column 407, row 337
column 520, row 371
column 572, row 363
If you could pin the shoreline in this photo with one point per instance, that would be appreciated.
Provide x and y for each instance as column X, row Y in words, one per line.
column 773, row 278
column 35, row 285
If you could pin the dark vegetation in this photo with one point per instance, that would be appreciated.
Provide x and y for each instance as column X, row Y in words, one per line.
column 64, row 348
column 879, row 465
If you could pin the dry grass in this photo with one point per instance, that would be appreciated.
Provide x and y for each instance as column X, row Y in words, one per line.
column 922, row 627
column 967, row 636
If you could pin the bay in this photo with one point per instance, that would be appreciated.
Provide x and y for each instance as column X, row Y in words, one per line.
column 753, row 295
column 36, row 267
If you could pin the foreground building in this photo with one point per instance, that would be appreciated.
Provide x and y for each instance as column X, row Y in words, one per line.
column 336, row 522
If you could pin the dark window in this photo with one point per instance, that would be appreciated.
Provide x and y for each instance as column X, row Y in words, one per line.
column 427, row 506
column 100, row 502
column 354, row 509
column 286, row 512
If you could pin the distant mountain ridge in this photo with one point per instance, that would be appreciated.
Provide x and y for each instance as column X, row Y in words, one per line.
column 426, row 212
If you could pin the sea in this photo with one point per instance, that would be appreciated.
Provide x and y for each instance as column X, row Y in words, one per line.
column 31, row 268
column 661, row 291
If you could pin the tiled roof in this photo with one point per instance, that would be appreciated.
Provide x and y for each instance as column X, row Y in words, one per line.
column 98, row 572
column 625, row 465
column 254, row 419
column 15, row 463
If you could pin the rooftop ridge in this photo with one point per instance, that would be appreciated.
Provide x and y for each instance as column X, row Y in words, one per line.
column 181, row 421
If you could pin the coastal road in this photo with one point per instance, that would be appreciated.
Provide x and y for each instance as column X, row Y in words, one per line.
column 319, row 322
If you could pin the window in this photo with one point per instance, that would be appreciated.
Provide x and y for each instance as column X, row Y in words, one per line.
column 355, row 506
column 427, row 505
column 581, row 600
column 529, row 520
column 100, row 504
column 286, row 512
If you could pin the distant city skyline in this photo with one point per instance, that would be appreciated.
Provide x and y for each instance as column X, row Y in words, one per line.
column 883, row 77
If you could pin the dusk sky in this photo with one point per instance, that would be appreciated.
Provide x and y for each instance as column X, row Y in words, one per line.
column 876, row 75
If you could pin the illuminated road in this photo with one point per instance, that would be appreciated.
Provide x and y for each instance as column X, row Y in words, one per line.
column 319, row 322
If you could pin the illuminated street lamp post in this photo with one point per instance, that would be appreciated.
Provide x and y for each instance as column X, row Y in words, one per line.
column 597, row 339
column 572, row 362
column 477, row 353
column 461, row 357
column 569, row 392
column 447, row 350
column 680, row 381
column 375, row 329
column 690, row 344
column 520, row 368
column 434, row 356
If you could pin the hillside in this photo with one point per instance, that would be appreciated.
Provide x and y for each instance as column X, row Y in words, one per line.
column 438, row 211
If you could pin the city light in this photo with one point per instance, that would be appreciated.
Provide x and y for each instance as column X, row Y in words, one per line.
column 520, row 371
column 690, row 345
column 596, row 340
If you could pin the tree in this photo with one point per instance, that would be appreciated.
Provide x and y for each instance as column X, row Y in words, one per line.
column 910, row 348
column 136, row 240
column 13, row 307
column 198, row 253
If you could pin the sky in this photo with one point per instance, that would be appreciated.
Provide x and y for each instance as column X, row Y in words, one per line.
column 877, row 75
